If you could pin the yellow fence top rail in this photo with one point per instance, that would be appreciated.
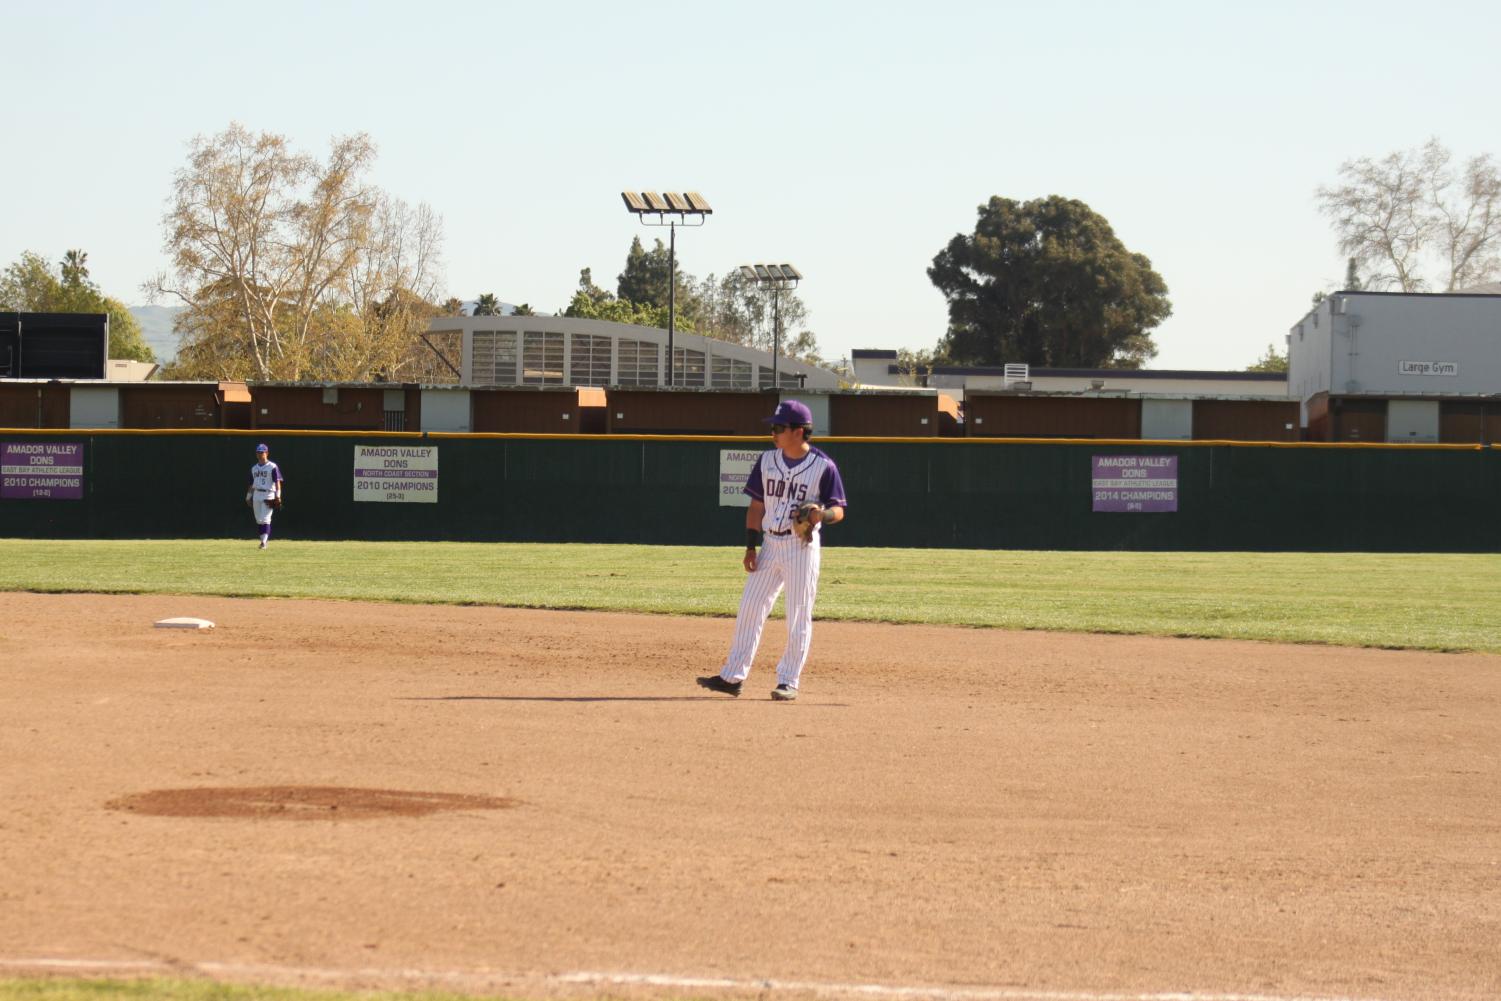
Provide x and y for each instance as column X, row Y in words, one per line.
column 737, row 439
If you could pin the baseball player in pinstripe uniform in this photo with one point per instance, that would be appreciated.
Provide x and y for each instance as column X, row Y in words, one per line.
column 791, row 478
column 264, row 493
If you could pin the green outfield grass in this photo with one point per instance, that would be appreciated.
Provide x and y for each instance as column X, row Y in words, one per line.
column 1420, row 601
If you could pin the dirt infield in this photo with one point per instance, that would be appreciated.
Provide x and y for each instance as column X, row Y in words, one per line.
column 996, row 814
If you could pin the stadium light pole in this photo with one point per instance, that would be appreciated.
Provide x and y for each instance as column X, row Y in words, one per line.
column 686, row 206
column 777, row 278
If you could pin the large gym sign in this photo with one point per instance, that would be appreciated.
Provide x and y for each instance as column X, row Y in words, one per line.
column 1449, row 368
column 1135, row 483
column 42, row 470
column 396, row 474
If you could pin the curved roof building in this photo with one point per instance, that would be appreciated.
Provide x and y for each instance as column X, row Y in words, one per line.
column 566, row 351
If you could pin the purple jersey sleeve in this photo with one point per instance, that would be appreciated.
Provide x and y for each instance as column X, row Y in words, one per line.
column 276, row 473
column 831, row 487
column 753, row 485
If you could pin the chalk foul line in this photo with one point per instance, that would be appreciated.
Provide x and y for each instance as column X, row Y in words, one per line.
column 901, row 993
column 472, row 979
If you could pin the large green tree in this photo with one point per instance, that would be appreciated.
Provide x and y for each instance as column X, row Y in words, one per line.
column 31, row 285
column 1047, row 282
column 645, row 276
column 591, row 302
column 646, row 280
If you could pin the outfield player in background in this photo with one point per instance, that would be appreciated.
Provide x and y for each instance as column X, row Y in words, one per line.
column 789, row 475
column 265, row 484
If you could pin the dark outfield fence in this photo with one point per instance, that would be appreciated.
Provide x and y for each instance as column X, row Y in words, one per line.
column 951, row 493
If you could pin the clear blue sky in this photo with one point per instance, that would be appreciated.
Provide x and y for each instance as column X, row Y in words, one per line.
column 850, row 139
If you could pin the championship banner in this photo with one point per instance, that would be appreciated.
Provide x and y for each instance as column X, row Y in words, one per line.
column 398, row 474
column 734, row 469
column 51, row 470
column 1135, row 483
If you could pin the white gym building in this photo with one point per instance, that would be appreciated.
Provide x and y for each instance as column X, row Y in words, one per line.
column 566, row 351
column 1399, row 367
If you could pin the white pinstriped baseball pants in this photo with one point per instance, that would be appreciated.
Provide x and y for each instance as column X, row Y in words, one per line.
column 262, row 510
column 784, row 562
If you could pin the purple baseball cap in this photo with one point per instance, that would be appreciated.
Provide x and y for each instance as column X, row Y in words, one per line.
column 790, row 412
column 262, row 448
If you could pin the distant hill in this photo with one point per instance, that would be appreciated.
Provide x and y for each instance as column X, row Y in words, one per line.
column 156, row 327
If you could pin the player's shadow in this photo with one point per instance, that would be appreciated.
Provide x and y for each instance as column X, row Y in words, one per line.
column 557, row 698
column 590, row 698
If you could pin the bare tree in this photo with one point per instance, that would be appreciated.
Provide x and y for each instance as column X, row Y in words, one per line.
column 392, row 289
column 1470, row 222
column 915, row 368
column 292, row 268
column 1408, row 208
column 435, row 358
column 735, row 309
column 212, row 339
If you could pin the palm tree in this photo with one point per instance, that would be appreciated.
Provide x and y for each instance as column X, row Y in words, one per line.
column 75, row 267
column 487, row 305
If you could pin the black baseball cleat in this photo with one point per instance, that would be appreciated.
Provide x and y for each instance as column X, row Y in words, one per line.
column 715, row 683
column 784, row 693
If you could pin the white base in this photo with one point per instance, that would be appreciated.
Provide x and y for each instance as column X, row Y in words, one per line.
column 184, row 622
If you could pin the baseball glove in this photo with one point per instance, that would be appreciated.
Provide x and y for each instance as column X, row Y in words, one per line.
column 274, row 502
column 808, row 515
